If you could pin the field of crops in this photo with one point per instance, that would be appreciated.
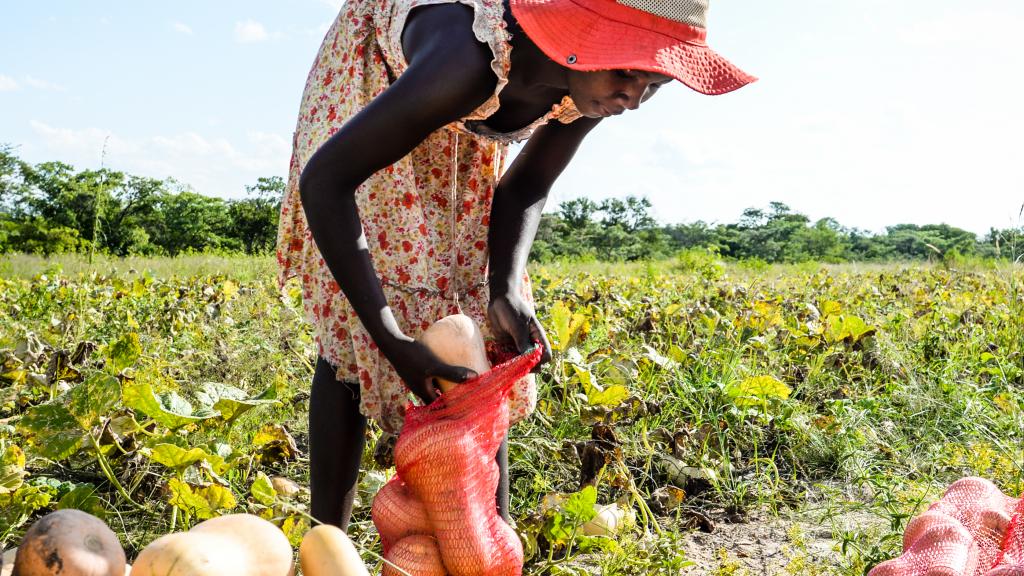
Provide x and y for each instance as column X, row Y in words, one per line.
column 755, row 421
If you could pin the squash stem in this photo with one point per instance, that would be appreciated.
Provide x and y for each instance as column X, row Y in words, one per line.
column 109, row 473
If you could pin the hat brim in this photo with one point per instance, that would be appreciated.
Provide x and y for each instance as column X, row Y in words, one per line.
column 590, row 35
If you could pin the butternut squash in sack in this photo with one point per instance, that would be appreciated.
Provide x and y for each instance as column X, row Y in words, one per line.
column 457, row 340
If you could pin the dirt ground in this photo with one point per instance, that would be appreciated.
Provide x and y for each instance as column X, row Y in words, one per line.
column 765, row 545
column 762, row 546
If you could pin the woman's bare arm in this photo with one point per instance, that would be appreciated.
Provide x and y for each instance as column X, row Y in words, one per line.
column 515, row 214
column 448, row 76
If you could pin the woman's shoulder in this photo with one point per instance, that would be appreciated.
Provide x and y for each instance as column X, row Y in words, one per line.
column 439, row 40
column 445, row 29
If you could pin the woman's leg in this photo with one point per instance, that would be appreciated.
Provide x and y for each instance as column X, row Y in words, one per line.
column 503, row 489
column 337, row 435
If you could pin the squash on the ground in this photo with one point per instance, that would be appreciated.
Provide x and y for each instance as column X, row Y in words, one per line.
column 607, row 521
column 70, row 543
column 232, row 545
column 327, row 551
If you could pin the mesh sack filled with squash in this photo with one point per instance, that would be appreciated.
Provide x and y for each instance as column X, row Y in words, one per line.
column 973, row 530
column 438, row 515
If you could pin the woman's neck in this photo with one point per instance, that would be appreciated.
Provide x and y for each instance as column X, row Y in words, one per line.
column 531, row 69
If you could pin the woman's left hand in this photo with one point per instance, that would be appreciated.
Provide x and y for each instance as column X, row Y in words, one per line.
column 513, row 320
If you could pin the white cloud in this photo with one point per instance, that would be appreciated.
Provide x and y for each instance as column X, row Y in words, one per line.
column 318, row 31
column 181, row 28
column 211, row 165
column 8, row 84
column 40, row 84
column 250, row 31
column 333, row 4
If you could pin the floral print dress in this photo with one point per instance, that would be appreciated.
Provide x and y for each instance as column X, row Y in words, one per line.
column 425, row 217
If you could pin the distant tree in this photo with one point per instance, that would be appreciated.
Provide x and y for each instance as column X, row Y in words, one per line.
column 578, row 213
column 192, row 222
column 698, row 234
column 254, row 220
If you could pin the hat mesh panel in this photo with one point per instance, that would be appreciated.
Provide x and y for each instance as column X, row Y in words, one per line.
column 692, row 12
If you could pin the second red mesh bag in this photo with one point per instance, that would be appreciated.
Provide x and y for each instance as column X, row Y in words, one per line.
column 441, row 506
column 970, row 531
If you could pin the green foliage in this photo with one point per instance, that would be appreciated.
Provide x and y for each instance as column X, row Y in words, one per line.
column 684, row 391
column 624, row 230
column 50, row 208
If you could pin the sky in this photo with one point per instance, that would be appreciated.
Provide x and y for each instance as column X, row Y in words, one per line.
column 874, row 112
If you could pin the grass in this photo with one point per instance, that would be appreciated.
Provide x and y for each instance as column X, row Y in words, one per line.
column 843, row 396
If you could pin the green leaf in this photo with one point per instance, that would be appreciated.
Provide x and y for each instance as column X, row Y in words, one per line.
column 846, row 328
column 564, row 522
column 579, row 507
column 831, row 308
column 231, row 402
column 263, row 489
column 176, row 458
column 184, row 499
column 91, row 400
column 756, row 390
column 217, row 497
column 52, row 430
column 15, row 508
column 566, row 326
column 295, row 527
column 12, row 467
column 611, row 396
column 274, row 443
column 229, row 289
column 168, row 408
column 125, row 351
column 83, row 497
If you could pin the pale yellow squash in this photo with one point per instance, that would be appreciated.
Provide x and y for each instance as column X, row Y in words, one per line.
column 193, row 554
column 457, row 341
column 232, row 545
column 327, row 551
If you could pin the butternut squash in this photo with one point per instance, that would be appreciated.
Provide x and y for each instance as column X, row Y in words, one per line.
column 397, row 513
column 457, row 340
column 894, row 567
column 70, row 543
column 418, row 555
column 1007, row 570
column 327, row 551
column 607, row 521
column 232, row 545
column 193, row 554
column 919, row 524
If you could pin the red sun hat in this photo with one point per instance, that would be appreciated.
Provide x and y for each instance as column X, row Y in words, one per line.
column 663, row 36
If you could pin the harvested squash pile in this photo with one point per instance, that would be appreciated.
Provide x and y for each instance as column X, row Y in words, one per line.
column 973, row 530
column 438, row 515
column 73, row 543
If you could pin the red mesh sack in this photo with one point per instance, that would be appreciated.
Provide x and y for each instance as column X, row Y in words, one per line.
column 438, row 515
column 970, row 531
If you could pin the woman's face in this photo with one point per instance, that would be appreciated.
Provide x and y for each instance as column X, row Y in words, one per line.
column 612, row 92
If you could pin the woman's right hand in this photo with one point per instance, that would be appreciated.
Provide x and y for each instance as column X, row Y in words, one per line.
column 417, row 366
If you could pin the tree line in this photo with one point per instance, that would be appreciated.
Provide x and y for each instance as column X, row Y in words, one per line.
column 52, row 208
column 623, row 229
